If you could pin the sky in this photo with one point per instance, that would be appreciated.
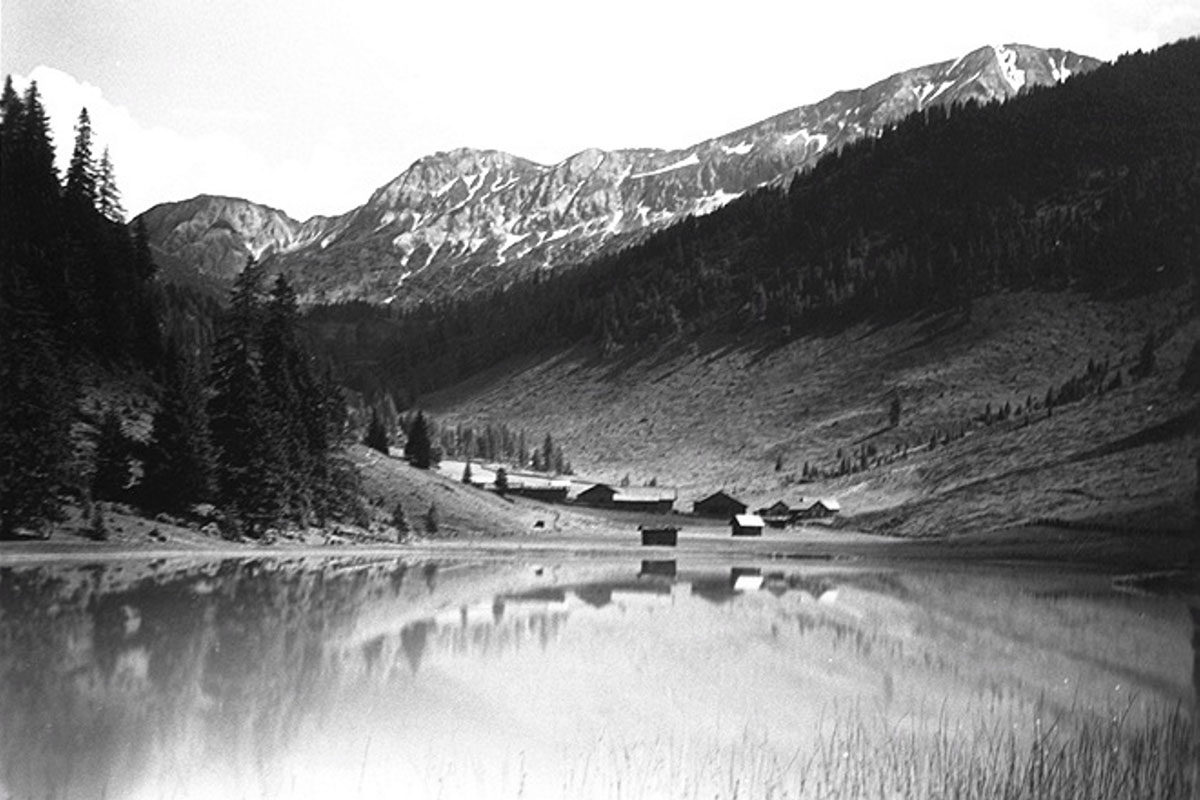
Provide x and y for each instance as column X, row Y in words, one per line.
column 309, row 106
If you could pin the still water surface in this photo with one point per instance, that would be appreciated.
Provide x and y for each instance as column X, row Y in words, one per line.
column 360, row 677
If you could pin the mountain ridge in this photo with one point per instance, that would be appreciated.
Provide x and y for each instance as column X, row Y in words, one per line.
column 465, row 220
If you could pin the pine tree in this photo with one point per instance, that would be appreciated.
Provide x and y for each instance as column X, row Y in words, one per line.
column 111, row 473
column 376, row 437
column 418, row 449
column 35, row 173
column 502, row 481
column 36, row 406
column 179, row 461
column 144, row 264
column 108, row 197
column 399, row 521
column 81, row 189
column 12, row 119
column 97, row 530
column 466, row 476
column 251, row 484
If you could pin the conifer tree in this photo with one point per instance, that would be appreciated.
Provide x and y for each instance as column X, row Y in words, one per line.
column 179, row 462
column 111, row 473
column 144, row 264
column 12, row 117
column 81, row 188
column 399, row 521
column 466, row 476
column 108, row 197
column 250, row 480
column 290, row 390
column 418, row 449
column 376, row 437
column 36, row 406
column 501, row 481
column 34, row 171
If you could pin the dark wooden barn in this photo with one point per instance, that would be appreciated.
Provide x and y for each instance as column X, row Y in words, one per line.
column 719, row 505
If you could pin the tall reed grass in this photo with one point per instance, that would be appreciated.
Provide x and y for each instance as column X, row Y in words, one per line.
column 1155, row 758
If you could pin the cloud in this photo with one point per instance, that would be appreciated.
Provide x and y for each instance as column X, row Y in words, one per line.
column 155, row 164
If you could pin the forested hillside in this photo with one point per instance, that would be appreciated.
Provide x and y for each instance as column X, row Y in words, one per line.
column 1092, row 186
column 106, row 389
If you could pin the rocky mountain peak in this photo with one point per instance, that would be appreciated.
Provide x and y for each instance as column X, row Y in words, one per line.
column 468, row 220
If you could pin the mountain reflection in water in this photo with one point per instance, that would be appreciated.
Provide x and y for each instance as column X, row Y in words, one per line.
column 347, row 677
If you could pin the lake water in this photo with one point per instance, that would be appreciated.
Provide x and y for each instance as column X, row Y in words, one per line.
column 384, row 678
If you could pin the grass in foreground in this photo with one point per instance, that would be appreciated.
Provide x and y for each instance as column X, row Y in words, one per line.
column 1155, row 759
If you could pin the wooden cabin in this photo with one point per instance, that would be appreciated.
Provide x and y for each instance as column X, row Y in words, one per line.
column 718, row 504
column 777, row 515
column 600, row 496
column 647, row 499
column 659, row 535
column 747, row 525
column 546, row 491
column 818, row 508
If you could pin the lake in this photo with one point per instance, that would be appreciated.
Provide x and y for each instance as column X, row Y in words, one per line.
column 496, row 677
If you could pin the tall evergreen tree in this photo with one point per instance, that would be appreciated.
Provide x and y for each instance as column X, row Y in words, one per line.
column 111, row 472
column 179, row 462
column 250, row 480
column 376, row 437
column 108, row 196
column 81, row 189
column 12, row 120
column 34, row 170
column 36, row 406
column 144, row 264
column 418, row 449
column 288, row 385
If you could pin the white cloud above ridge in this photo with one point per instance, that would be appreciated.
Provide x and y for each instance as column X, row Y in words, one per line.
column 155, row 164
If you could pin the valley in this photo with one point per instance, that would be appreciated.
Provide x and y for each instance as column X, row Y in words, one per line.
column 718, row 412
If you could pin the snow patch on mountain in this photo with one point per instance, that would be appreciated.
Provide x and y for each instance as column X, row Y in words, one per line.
column 943, row 87
column 690, row 161
column 1060, row 71
column 1007, row 59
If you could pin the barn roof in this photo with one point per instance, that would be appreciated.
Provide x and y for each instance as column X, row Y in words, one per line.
column 719, row 495
column 525, row 482
column 748, row 520
column 830, row 503
column 643, row 494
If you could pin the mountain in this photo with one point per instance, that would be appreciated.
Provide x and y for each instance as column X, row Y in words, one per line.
column 1022, row 280
column 466, row 220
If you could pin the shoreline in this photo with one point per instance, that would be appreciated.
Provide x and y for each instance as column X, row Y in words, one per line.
column 1043, row 547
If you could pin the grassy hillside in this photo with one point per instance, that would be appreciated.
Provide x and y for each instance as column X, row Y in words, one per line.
column 720, row 411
